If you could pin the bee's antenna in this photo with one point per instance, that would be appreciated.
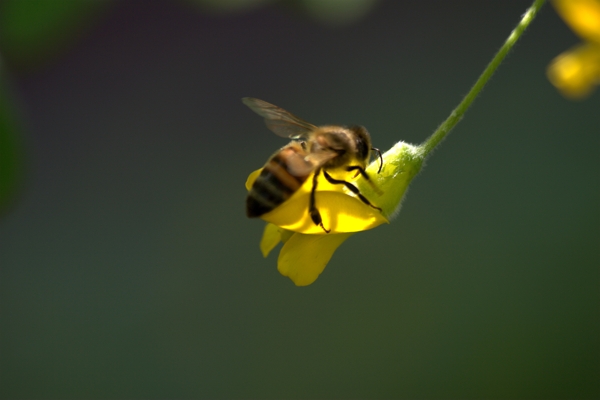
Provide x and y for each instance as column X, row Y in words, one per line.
column 375, row 149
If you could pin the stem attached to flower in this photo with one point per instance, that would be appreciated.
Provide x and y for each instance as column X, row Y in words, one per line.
column 403, row 161
column 459, row 111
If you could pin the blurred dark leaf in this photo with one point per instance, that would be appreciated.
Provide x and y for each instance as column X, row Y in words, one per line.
column 327, row 12
column 11, row 163
column 226, row 6
column 31, row 30
column 335, row 12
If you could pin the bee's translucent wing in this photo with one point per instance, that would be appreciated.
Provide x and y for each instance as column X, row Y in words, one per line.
column 299, row 163
column 281, row 122
column 296, row 162
column 318, row 158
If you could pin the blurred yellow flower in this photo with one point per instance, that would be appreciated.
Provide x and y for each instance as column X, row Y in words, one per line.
column 307, row 248
column 577, row 71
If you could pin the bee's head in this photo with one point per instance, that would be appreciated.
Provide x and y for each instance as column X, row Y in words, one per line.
column 362, row 143
column 352, row 145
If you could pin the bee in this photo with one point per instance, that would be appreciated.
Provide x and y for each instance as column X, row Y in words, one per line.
column 313, row 150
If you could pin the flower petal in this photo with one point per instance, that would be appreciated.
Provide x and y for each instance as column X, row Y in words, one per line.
column 340, row 213
column 270, row 238
column 251, row 178
column 576, row 72
column 304, row 257
column 583, row 16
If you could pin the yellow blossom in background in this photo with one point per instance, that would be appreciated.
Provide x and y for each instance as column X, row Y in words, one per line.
column 576, row 72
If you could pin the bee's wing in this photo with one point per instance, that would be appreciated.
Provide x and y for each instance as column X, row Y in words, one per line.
column 281, row 122
column 301, row 164
column 297, row 164
column 318, row 158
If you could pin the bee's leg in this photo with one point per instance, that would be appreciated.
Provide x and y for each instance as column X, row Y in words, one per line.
column 350, row 187
column 376, row 150
column 315, row 215
column 360, row 171
column 364, row 175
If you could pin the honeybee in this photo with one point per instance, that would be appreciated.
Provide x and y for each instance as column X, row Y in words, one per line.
column 313, row 150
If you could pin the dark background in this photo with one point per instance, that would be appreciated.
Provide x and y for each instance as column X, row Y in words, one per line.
column 128, row 268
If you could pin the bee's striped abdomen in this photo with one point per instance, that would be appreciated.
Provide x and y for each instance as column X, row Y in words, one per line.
column 274, row 185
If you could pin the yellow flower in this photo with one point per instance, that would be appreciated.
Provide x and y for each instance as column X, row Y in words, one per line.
column 307, row 248
column 341, row 212
column 577, row 71
column 303, row 256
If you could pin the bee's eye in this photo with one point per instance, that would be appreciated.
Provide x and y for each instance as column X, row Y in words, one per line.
column 362, row 148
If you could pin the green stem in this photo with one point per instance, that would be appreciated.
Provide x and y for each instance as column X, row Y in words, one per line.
column 459, row 111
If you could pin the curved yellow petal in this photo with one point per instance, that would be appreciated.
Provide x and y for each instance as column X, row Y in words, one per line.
column 286, row 235
column 583, row 16
column 270, row 238
column 251, row 178
column 340, row 213
column 304, row 257
column 576, row 72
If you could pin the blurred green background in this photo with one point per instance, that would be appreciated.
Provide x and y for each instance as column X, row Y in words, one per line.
column 129, row 270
